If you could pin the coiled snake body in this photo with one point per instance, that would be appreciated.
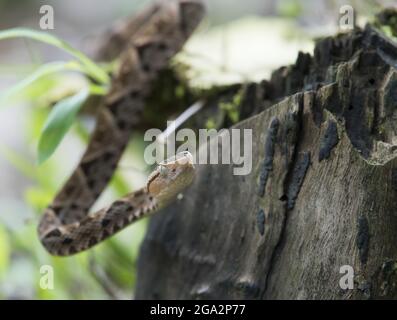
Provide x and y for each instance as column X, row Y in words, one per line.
column 66, row 227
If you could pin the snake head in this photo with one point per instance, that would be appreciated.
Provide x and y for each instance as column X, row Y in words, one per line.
column 171, row 177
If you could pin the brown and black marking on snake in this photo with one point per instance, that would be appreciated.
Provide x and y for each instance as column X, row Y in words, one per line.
column 72, row 238
column 66, row 227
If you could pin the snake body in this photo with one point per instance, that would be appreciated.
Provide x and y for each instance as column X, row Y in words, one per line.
column 66, row 226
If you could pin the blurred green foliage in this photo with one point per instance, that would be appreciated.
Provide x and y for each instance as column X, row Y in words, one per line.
column 22, row 255
column 289, row 8
column 106, row 271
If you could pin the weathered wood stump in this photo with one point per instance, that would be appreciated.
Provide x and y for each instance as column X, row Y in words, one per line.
column 322, row 192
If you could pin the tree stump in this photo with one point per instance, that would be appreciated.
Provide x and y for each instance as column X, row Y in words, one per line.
column 322, row 193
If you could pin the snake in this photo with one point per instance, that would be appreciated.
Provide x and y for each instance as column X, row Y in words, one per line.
column 67, row 226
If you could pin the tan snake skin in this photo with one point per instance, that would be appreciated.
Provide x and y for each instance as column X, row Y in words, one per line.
column 66, row 226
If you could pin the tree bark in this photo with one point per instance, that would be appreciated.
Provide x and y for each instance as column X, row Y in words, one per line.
column 321, row 193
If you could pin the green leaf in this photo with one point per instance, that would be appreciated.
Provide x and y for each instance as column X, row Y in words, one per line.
column 90, row 67
column 40, row 72
column 38, row 197
column 98, row 90
column 18, row 162
column 4, row 252
column 58, row 123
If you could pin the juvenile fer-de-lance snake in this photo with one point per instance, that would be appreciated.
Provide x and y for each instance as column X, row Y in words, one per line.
column 67, row 227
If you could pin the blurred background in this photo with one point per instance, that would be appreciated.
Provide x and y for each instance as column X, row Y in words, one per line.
column 239, row 41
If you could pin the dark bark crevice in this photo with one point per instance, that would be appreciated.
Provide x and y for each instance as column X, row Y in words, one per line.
column 296, row 171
